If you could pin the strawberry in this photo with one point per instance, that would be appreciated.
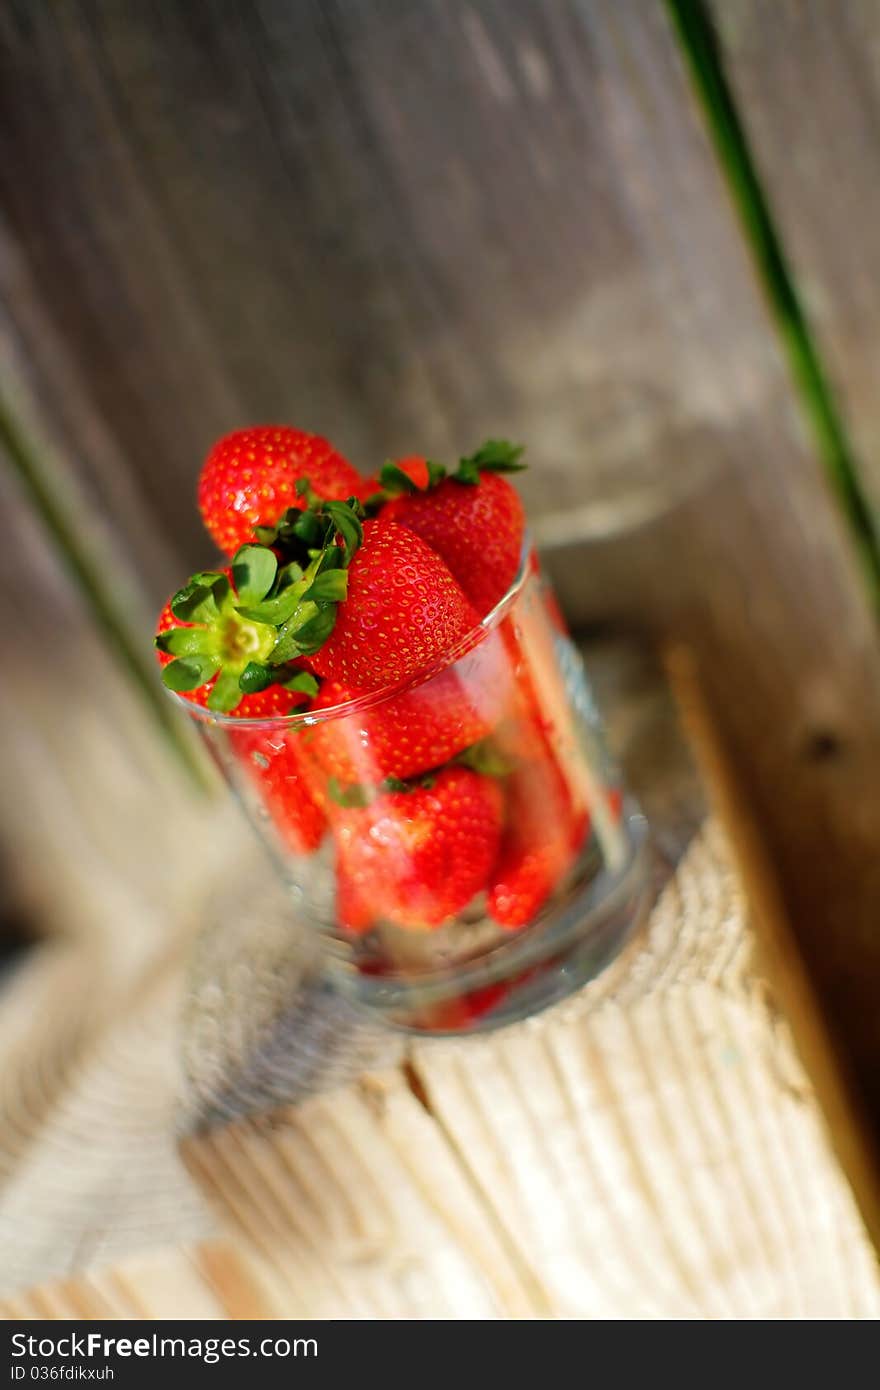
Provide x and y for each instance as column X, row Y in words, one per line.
column 474, row 519
column 272, row 761
column 420, row 729
column 419, row 856
column 543, row 835
column 407, row 735
column 250, row 477
column 355, row 912
column 403, row 611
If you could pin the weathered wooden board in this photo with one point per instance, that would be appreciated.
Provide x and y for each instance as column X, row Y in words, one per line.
column 651, row 1149
column 105, row 840
column 408, row 225
column 807, row 77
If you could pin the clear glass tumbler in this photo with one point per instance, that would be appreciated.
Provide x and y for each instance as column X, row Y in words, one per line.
column 461, row 841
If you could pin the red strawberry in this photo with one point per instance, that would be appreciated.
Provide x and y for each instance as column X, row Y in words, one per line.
column 420, row 729
column 355, row 913
column 418, row 857
column 272, row 760
column 403, row 611
column 249, row 479
column 542, row 838
column 475, row 522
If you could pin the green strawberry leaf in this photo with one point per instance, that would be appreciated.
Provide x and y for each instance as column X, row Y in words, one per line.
column 330, row 586
column 189, row 672
column 467, row 473
column 311, row 529
column 394, row 482
column 348, row 526
column 274, row 611
column 315, row 632
column 226, row 692
column 436, row 473
column 185, row 641
column 303, row 682
column 333, row 558
column 284, row 528
column 290, row 574
column 201, row 599
column 256, row 677
column 495, row 456
column 253, row 573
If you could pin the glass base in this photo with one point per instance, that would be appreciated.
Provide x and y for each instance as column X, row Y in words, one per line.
column 539, row 967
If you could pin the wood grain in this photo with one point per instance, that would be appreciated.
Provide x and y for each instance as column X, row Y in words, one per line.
column 807, row 79
column 651, row 1149
column 405, row 225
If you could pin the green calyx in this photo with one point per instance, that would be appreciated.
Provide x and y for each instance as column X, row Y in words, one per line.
column 302, row 531
column 494, row 456
column 395, row 483
column 222, row 643
column 280, row 604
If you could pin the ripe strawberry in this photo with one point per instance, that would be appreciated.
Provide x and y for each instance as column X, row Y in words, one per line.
column 272, row 761
column 418, row 857
column 402, row 612
column 420, row 729
column 543, row 835
column 249, row 479
column 355, row 913
column 474, row 520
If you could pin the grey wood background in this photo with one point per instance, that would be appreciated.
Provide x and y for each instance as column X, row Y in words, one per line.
column 807, row 77
column 405, row 224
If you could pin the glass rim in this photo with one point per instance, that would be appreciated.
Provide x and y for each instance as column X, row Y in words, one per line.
column 307, row 719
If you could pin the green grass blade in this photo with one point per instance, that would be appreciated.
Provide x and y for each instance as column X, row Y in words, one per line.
column 74, row 552
column 693, row 26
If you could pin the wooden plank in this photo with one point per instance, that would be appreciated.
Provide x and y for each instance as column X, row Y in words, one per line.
column 354, row 1206
column 650, row 1149
column 807, row 82
column 89, row 1090
column 653, row 1150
